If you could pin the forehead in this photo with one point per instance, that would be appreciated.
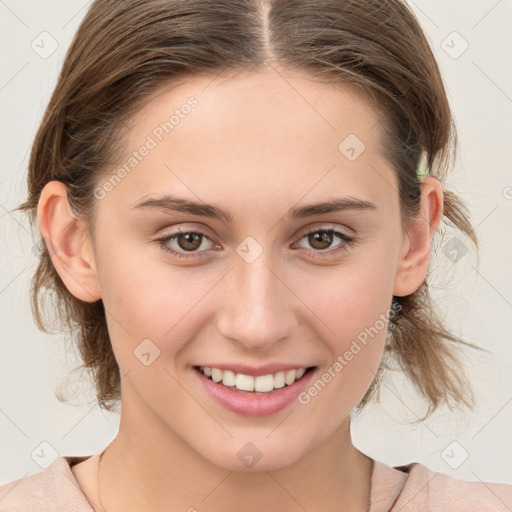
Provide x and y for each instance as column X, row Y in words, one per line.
column 257, row 104
column 268, row 131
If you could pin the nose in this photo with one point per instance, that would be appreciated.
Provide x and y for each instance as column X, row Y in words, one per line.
column 257, row 305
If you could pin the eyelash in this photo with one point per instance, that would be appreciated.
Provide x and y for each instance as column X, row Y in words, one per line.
column 348, row 242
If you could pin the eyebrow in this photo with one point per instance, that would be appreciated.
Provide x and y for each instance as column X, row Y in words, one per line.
column 172, row 203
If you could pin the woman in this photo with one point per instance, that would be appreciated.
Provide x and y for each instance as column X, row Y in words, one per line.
column 238, row 201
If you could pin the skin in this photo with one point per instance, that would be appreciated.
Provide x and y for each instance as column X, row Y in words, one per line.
column 258, row 145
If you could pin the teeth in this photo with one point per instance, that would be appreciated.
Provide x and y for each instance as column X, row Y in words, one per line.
column 244, row 382
column 289, row 378
column 260, row 384
column 228, row 378
column 216, row 375
column 279, row 380
column 264, row 383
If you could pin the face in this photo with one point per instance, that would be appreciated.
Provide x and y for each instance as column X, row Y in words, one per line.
column 265, row 286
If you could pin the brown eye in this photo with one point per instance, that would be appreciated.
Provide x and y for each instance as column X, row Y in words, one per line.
column 189, row 241
column 186, row 244
column 320, row 239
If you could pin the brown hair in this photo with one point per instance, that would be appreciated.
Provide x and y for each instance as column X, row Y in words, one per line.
column 125, row 51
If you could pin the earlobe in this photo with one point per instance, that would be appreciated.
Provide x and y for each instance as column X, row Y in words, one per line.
column 415, row 253
column 68, row 243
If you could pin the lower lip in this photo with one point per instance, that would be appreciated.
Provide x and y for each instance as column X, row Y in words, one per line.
column 254, row 405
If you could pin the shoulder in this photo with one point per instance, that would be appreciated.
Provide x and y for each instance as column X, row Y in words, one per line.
column 427, row 490
column 54, row 489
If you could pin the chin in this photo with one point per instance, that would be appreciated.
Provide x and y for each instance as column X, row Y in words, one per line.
column 256, row 456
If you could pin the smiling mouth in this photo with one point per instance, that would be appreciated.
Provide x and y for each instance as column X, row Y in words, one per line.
column 260, row 385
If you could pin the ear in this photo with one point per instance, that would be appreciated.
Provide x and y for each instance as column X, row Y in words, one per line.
column 68, row 242
column 415, row 255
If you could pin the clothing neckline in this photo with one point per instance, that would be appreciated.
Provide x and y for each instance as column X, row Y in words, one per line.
column 387, row 482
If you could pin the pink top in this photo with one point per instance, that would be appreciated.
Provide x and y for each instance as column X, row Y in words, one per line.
column 411, row 488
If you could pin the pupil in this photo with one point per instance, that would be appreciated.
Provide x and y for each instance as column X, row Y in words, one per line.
column 322, row 236
column 189, row 239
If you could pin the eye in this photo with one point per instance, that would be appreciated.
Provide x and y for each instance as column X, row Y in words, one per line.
column 321, row 239
column 189, row 242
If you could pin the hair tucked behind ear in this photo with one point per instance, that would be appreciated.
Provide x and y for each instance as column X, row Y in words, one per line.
column 424, row 348
column 125, row 51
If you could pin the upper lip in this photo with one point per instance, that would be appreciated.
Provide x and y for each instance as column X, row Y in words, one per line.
column 256, row 371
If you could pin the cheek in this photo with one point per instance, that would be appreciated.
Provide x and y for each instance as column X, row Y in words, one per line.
column 350, row 297
column 153, row 301
column 354, row 354
column 353, row 308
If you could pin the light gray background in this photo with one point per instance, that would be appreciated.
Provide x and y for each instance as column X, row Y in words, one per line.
column 477, row 301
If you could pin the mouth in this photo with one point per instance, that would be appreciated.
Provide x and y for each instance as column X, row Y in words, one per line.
column 254, row 385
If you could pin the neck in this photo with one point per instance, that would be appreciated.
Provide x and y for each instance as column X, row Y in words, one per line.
column 148, row 468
